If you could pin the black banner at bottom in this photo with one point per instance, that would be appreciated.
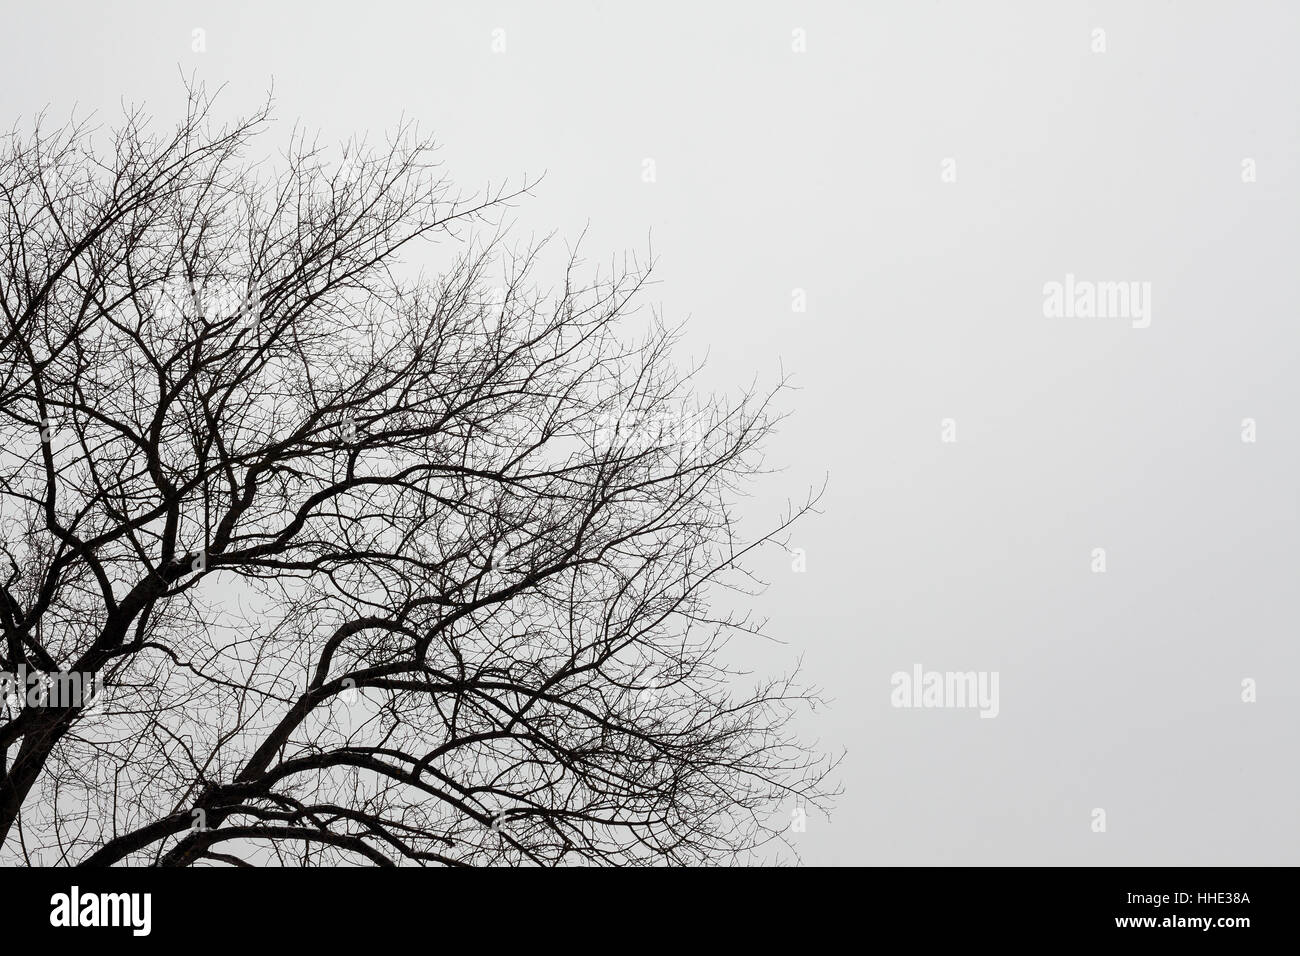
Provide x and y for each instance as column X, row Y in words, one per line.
column 1161, row 906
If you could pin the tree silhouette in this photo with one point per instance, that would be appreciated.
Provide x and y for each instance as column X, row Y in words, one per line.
column 369, row 566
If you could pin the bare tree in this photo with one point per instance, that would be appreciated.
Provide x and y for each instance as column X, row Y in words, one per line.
column 367, row 566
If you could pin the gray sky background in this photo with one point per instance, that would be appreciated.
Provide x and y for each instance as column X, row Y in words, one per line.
column 821, row 170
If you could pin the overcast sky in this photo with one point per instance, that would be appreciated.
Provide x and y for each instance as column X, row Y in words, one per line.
column 874, row 198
